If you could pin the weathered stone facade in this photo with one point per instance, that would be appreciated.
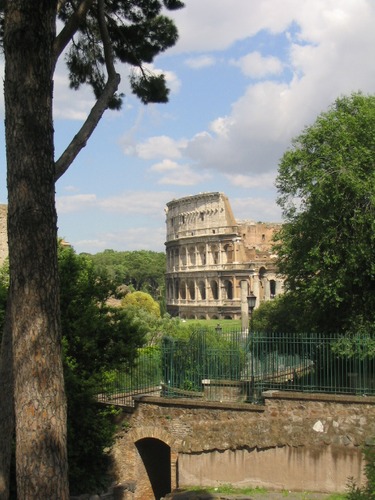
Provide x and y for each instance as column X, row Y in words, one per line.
column 295, row 441
column 3, row 234
column 214, row 261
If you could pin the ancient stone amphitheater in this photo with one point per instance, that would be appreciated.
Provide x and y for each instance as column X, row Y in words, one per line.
column 214, row 261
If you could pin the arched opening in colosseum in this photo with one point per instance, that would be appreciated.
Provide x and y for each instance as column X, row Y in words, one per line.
column 215, row 254
column 272, row 289
column 191, row 288
column 176, row 288
column 183, row 257
column 214, row 290
column 228, row 252
column 183, row 290
column 176, row 257
column 192, row 256
column 170, row 290
column 262, row 283
column 228, row 287
column 156, row 459
column 202, row 255
column 202, row 290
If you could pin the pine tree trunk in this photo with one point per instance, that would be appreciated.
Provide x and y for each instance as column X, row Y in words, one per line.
column 6, row 409
column 39, row 398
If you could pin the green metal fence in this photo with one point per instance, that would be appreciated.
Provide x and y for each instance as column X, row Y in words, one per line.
column 145, row 377
column 236, row 367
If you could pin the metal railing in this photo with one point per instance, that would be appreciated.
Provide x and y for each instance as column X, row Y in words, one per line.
column 236, row 367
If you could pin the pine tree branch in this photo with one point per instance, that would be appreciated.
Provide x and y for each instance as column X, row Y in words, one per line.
column 80, row 139
column 70, row 28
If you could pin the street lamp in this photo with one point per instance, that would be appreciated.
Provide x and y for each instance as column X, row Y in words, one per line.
column 251, row 301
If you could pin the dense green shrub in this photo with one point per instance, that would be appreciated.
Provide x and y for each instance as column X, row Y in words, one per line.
column 368, row 491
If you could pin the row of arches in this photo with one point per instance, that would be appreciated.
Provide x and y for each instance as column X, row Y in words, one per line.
column 200, row 289
column 201, row 254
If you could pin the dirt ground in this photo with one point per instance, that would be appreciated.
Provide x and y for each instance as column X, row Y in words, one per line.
column 269, row 495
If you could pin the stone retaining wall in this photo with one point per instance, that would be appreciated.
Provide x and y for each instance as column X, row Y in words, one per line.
column 293, row 442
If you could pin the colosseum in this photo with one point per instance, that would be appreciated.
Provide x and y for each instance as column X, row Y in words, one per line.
column 214, row 262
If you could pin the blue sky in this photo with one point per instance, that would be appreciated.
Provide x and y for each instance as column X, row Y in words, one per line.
column 246, row 76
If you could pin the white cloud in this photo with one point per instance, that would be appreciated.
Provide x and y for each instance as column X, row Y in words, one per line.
column 256, row 209
column 67, row 103
column 183, row 175
column 255, row 65
column 135, row 238
column 164, row 166
column 68, row 204
column 217, row 24
column 200, row 62
column 159, row 147
column 71, row 189
column 252, row 181
column 150, row 203
column 330, row 54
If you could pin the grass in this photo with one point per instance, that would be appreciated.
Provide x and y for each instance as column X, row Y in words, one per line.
column 227, row 489
column 226, row 324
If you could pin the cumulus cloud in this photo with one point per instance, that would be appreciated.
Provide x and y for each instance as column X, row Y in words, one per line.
column 158, row 147
column 150, row 203
column 200, row 62
column 255, row 65
column 174, row 173
column 263, row 181
column 164, row 166
column 132, row 239
column 256, row 209
column 216, row 24
column 67, row 204
column 329, row 53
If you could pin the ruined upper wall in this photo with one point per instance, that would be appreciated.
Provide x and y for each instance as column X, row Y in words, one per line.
column 258, row 235
column 211, row 213
column 198, row 215
column 3, row 234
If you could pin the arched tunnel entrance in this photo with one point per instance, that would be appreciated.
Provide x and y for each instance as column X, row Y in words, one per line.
column 156, row 458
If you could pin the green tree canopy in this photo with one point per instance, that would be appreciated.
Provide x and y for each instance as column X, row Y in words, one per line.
column 96, row 339
column 326, row 185
column 141, row 300
column 143, row 270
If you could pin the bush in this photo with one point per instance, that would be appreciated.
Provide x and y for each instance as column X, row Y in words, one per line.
column 368, row 491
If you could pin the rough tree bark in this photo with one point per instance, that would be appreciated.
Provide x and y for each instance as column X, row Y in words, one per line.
column 33, row 314
column 31, row 364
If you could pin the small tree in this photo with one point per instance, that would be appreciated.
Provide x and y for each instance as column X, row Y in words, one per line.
column 141, row 300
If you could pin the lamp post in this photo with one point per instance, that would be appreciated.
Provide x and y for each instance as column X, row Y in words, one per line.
column 251, row 301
